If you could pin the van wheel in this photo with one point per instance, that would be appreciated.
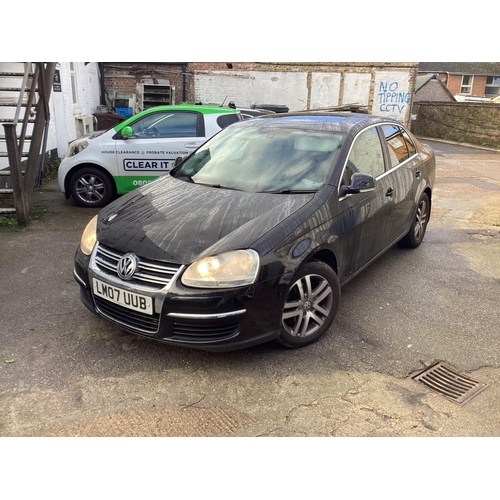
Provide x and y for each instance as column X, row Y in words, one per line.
column 91, row 187
column 311, row 304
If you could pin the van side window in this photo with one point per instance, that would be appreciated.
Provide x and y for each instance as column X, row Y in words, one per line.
column 167, row 124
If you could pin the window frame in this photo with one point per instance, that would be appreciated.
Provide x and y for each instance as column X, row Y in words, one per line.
column 492, row 85
column 384, row 157
column 468, row 85
column 406, row 139
column 200, row 125
column 387, row 161
column 74, row 86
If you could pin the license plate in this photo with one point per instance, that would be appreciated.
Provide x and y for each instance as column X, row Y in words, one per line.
column 130, row 300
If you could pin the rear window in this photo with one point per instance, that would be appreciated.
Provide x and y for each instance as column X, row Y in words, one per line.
column 225, row 120
column 399, row 144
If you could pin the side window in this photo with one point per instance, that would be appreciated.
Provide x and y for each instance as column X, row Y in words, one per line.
column 365, row 156
column 399, row 144
column 409, row 144
column 166, row 124
column 225, row 120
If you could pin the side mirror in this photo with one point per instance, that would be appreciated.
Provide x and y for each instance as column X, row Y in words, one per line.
column 178, row 161
column 360, row 183
column 127, row 133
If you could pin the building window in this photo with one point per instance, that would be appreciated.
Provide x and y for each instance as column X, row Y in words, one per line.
column 466, row 87
column 492, row 85
column 73, row 82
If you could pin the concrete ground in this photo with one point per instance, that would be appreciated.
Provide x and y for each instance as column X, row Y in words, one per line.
column 65, row 372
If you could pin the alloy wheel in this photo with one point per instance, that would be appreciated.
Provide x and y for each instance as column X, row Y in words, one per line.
column 90, row 188
column 420, row 220
column 307, row 306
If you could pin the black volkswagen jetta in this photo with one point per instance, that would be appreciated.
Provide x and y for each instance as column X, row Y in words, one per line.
column 250, row 238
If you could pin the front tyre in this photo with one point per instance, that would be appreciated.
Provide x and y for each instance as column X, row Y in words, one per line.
column 417, row 230
column 311, row 304
column 91, row 187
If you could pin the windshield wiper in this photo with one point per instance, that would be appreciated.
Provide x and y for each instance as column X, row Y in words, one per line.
column 290, row 191
column 218, row 186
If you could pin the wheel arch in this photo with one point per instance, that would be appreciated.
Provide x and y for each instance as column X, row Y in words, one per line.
column 80, row 166
column 327, row 256
column 428, row 192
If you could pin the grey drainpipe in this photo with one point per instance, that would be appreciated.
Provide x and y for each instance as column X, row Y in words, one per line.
column 184, row 93
column 101, row 79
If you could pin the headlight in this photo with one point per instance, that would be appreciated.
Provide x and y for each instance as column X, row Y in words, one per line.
column 89, row 237
column 77, row 147
column 228, row 269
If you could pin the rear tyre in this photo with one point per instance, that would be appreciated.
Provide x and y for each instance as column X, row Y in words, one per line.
column 91, row 187
column 417, row 230
column 311, row 304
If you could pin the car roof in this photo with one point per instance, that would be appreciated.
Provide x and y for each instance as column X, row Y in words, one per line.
column 320, row 120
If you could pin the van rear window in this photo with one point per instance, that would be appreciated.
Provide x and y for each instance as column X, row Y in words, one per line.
column 225, row 120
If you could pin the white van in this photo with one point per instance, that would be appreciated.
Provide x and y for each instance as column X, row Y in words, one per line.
column 103, row 165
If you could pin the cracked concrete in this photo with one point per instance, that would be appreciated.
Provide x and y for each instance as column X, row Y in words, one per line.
column 72, row 374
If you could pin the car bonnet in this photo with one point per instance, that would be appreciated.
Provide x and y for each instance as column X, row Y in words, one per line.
column 175, row 221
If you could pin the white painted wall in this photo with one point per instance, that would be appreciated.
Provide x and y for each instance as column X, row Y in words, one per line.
column 325, row 90
column 253, row 87
column 68, row 117
column 386, row 93
column 64, row 115
column 357, row 88
column 392, row 94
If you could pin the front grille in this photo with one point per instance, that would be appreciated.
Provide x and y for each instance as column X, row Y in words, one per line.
column 153, row 274
column 143, row 323
column 189, row 332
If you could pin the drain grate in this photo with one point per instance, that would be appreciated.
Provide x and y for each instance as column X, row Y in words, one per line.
column 446, row 381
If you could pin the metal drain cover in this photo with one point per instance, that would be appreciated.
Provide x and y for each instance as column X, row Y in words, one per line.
column 445, row 380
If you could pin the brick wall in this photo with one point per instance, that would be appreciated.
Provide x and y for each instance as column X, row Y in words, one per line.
column 385, row 88
column 125, row 79
column 478, row 85
column 469, row 122
column 213, row 81
column 454, row 83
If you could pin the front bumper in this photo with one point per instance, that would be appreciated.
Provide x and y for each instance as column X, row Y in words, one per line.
column 211, row 320
column 65, row 166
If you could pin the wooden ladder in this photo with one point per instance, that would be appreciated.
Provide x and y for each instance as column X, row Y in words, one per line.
column 30, row 99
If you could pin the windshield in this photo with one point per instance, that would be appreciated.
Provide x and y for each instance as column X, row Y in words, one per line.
column 263, row 159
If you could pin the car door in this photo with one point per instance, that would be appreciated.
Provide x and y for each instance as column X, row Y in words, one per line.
column 403, row 176
column 158, row 139
column 365, row 216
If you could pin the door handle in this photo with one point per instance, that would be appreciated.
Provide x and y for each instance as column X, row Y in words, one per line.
column 418, row 173
column 390, row 192
column 191, row 145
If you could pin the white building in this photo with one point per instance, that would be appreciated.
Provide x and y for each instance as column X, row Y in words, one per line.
column 75, row 97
